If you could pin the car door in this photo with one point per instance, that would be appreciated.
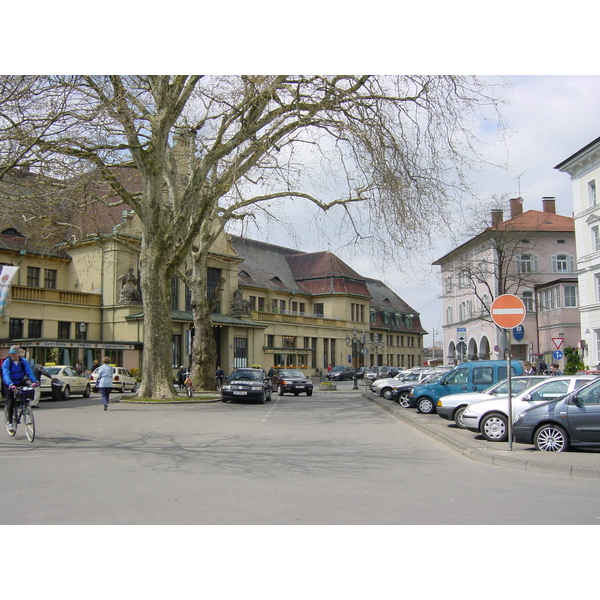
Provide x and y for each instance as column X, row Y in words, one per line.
column 70, row 376
column 549, row 390
column 457, row 381
column 583, row 414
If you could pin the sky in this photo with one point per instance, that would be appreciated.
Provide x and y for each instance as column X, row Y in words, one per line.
column 548, row 118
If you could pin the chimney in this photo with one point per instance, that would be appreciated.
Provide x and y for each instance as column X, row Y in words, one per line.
column 516, row 207
column 497, row 217
column 549, row 204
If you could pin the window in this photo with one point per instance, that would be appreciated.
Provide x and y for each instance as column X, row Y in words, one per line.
column 570, row 292
column 527, row 263
column 319, row 309
column 448, row 285
column 50, row 279
column 595, row 230
column 261, row 304
column 592, row 198
column 282, row 305
column 176, row 357
column 589, row 395
column 252, row 302
column 561, row 263
column 357, row 312
column 15, row 328
column 64, row 330
column 458, row 377
column 527, row 298
column 302, row 308
column 240, row 352
column 33, row 277
column 34, row 328
column 270, row 341
column 448, row 315
column 464, row 279
column 213, row 276
column 483, row 376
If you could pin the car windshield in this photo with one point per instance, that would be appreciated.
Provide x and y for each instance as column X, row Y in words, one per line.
column 240, row 374
column 291, row 373
column 53, row 370
column 433, row 378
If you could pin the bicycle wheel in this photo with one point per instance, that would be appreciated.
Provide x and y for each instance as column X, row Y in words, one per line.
column 218, row 385
column 189, row 390
column 29, row 422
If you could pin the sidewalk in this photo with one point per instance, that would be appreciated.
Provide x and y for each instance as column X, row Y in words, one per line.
column 575, row 463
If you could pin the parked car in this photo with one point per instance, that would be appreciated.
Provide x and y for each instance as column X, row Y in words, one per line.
column 71, row 382
column 122, row 379
column 557, row 425
column 381, row 372
column 490, row 417
column 291, row 381
column 452, row 407
column 385, row 387
column 247, row 384
column 401, row 392
column 360, row 372
column 339, row 373
column 474, row 376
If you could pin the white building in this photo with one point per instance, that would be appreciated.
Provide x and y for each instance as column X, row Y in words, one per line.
column 584, row 169
column 531, row 255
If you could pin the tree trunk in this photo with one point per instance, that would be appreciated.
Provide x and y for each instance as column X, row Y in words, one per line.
column 155, row 281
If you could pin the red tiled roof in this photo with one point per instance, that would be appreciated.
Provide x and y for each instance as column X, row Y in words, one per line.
column 536, row 220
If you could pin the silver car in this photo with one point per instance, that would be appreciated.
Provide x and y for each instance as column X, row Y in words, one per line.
column 453, row 406
column 490, row 417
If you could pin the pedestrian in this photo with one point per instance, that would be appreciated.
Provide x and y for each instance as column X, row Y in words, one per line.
column 79, row 367
column 220, row 375
column 105, row 379
column 543, row 368
column 329, row 367
column 38, row 371
column 15, row 372
column 271, row 373
column 554, row 370
column 181, row 377
column 528, row 368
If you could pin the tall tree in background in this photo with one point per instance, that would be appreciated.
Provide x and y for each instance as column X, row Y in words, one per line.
column 213, row 150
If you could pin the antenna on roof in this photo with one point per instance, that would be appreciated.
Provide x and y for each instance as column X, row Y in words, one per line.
column 519, row 183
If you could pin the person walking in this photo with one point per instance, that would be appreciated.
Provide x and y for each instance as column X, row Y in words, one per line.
column 528, row 368
column 104, row 382
column 15, row 372
column 181, row 377
column 554, row 370
column 38, row 371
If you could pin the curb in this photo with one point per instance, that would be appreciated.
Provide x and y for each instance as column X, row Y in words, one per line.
column 499, row 458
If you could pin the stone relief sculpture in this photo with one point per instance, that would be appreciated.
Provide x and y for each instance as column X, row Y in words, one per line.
column 239, row 306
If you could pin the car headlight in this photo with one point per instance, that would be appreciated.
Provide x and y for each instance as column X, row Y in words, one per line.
column 256, row 388
column 226, row 387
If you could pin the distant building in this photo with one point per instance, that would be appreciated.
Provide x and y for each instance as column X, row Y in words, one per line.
column 538, row 266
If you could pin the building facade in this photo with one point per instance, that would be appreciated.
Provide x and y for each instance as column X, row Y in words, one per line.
column 279, row 306
column 531, row 255
column 584, row 170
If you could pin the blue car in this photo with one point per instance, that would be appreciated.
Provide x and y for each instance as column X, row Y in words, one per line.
column 557, row 425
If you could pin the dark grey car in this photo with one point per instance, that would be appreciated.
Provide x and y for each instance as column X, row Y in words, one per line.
column 573, row 420
column 247, row 384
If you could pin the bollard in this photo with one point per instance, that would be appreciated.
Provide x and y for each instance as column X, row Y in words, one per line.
column 355, row 379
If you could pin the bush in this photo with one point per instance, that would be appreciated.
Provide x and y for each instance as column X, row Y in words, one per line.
column 574, row 362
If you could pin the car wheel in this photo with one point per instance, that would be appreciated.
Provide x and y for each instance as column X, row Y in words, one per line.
column 403, row 400
column 87, row 391
column 134, row 388
column 269, row 395
column 280, row 390
column 263, row 398
column 309, row 392
column 494, row 428
column 386, row 393
column 458, row 417
column 551, row 438
column 425, row 405
column 66, row 393
column 122, row 388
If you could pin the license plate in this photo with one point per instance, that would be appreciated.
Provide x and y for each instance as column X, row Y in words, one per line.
column 299, row 387
column 240, row 393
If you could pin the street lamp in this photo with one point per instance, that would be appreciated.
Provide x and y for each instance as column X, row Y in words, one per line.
column 82, row 330
column 352, row 342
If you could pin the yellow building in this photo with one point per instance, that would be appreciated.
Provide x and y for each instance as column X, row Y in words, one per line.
column 279, row 306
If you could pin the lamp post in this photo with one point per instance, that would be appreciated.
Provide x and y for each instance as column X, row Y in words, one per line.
column 352, row 342
column 82, row 330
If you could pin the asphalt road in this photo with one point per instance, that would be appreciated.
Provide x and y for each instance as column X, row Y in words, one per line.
column 333, row 458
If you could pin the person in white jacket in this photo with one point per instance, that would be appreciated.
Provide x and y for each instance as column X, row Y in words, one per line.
column 104, row 381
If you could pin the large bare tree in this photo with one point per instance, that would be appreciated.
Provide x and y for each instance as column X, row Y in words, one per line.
column 213, row 150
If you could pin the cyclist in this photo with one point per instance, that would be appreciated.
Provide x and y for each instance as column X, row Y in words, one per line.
column 15, row 371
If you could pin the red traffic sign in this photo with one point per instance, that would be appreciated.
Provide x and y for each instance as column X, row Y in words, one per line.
column 558, row 342
column 508, row 311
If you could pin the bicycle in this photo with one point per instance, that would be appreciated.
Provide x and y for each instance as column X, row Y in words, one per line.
column 218, row 383
column 22, row 410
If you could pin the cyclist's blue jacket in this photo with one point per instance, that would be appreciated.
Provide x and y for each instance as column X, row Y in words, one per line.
column 13, row 373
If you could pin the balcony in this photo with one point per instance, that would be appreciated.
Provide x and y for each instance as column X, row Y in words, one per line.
column 31, row 294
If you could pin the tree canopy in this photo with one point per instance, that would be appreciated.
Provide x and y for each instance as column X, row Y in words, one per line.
column 214, row 150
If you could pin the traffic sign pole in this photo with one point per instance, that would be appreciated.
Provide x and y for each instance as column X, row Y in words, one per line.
column 508, row 370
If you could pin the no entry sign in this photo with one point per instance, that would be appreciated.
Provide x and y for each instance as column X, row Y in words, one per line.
column 508, row 311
